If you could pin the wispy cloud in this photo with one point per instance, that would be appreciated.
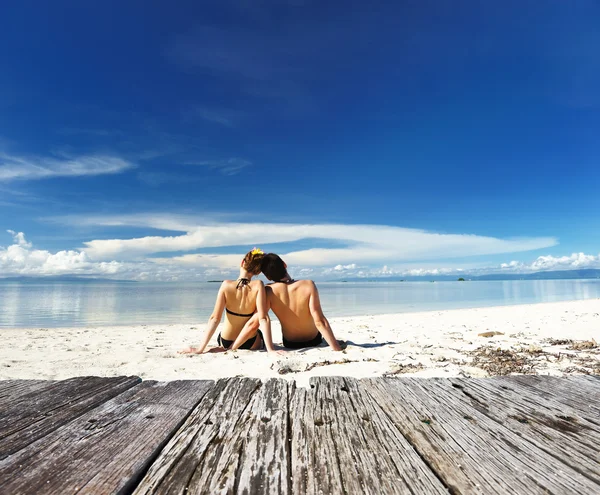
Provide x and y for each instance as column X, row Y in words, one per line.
column 221, row 116
column 360, row 244
column 156, row 179
column 22, row 259
column 267, row 66
column 230, row 166
column 13, row 167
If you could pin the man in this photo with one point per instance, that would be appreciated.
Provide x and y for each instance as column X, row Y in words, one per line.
column 297, row 305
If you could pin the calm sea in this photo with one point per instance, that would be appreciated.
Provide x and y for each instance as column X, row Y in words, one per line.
column 66, row 304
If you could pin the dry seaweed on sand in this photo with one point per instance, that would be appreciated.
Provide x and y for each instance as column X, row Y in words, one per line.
column 327, row 363
column 297, row 367
column 498, row 361
column 552, row 341
column 525, row 360
column 574, row 345
column 489, row 334
column 581, row 345
column 401, row 369
column 575, row 370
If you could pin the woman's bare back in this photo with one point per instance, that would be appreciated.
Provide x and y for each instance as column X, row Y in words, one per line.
column 241, row 301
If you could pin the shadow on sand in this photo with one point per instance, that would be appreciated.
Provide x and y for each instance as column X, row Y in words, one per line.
column 348, row 343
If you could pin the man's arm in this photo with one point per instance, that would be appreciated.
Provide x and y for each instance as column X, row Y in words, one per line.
column 314, row 304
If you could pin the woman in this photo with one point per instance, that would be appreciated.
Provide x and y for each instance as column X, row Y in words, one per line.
column 240, row 299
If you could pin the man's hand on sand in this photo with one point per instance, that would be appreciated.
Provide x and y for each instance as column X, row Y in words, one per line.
column 341, row 345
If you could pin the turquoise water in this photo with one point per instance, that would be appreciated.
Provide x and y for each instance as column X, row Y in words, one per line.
column 66, row 304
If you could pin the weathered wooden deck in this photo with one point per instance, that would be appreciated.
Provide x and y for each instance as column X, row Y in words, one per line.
column 520, row 434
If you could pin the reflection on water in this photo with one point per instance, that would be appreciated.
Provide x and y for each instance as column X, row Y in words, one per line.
column 92, row 304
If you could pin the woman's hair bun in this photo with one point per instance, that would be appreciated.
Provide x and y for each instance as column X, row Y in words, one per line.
column 253, row 260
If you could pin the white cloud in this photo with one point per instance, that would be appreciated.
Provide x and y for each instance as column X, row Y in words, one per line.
column 341, row 268
column 575, row 261
column 366, row 244
column 14, row 167
column 22, row 259
column 19, row 239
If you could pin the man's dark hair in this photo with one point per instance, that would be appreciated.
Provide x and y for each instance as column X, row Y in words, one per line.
column 273, row 267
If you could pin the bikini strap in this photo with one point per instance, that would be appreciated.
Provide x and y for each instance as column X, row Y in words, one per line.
column 238, row 314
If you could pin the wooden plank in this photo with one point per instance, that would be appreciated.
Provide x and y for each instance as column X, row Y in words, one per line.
column 234, row 442
column 556, row 429
column 108, row 449
column 560, row 391
column 469, row 451
column 12, row 389
column 30, row 416
column 343, row 443
column 585, row 380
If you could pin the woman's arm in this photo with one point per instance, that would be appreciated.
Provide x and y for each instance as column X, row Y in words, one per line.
column 259, row 320
column 264, row 322
column 213, row 323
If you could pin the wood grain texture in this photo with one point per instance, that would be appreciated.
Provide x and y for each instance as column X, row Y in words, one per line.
column 107, row 449
column 234, row 442
column 516, row 434
column 471, row 452
column 592, row 381
column 25, row 417
column 342, row 442
column 13, row 389
column 578, row 394
column 560, row 431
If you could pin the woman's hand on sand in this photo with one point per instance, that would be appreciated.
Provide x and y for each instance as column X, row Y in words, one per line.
column 196, row 350
column 215, row 350
column 277, row 353
column 191, row 350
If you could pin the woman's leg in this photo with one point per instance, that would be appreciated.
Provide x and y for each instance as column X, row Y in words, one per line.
column 259, row 343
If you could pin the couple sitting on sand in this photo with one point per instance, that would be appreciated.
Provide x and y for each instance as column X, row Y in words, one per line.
column 247, row 303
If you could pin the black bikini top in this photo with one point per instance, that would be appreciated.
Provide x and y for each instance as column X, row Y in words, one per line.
column 242, row 282
column 238, row 314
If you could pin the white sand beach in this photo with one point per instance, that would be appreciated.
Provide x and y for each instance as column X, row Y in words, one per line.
column 551, row 338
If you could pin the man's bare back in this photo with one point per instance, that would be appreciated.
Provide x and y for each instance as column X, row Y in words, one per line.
column 297, row 305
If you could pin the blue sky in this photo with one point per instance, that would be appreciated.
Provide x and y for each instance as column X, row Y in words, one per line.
column 160, row 141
